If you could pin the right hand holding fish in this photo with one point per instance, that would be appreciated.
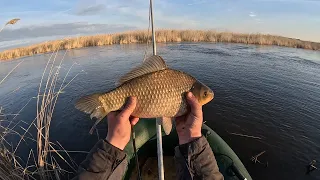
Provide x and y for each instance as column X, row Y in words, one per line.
column 119, row 124
column 189, row 126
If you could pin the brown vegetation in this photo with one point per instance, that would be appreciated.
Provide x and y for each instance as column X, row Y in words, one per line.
column 163, row 36
column 41, row 163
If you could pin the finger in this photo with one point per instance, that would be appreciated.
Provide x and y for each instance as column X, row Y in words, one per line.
column 129, row 107
column 112, row 115
column 179, row 123
column 195, row 106
column 180, row 119
column 134, row 120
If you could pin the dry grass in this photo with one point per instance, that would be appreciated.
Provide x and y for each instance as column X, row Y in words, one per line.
column 42, row 162
column 163, row 36
column 9, row 168
column 8, row 171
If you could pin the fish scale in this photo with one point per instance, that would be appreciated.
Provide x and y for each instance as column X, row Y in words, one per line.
column 160, row 93
column 156, row 96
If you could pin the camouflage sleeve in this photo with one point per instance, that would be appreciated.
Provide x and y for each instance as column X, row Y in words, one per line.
column 104, row 161
column 195, row 160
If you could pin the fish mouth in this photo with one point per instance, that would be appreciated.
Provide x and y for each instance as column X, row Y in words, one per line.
column 211, row 93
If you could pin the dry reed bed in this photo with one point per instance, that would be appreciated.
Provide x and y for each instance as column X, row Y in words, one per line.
column 41, row 163
column 163, row 36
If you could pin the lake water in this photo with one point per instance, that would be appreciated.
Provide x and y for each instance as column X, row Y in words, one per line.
column 268, row 92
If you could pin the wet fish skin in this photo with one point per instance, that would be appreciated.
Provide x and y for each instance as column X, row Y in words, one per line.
column 159, row 94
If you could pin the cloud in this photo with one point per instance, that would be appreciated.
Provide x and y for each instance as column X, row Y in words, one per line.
column 255, row 18
column 162, row 18
column 258, row 20
column 252, row 14
column 91, row 10
column 66, row 29
column 197, row 2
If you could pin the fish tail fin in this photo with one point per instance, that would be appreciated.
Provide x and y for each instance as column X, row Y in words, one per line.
column 91, row 105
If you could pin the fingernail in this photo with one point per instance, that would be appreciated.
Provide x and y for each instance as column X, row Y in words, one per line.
column 131, row 101
column 190, row 95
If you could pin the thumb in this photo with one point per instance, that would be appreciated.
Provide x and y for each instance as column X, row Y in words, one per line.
column 129, row 107
column 196, row 108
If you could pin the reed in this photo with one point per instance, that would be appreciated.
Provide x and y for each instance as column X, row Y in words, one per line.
column 41, row 163
column 12, row 22
column 163, row 36
column 9, row 168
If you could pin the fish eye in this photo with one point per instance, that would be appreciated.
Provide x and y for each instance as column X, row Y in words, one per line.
column 205, row 94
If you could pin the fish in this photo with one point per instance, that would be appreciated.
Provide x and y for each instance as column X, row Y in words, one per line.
column 160, row 93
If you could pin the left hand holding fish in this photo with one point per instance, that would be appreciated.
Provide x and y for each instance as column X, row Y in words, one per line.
column 119, row 124
column 189, row 126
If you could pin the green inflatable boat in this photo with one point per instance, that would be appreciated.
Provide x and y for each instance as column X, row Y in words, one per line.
column 229, row 164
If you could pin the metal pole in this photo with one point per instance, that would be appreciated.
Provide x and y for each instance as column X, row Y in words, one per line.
column 2, row 28
column 153, row 31
column 159, row 150
column 158, row 123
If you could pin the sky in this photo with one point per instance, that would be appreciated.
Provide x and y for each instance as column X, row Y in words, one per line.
column 43, row 20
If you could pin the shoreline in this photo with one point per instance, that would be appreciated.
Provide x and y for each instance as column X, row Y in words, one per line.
column 163, row 36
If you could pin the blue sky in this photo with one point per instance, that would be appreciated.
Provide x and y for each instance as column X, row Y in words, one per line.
column 50, row 19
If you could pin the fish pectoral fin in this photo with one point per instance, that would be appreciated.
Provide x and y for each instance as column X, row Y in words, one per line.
column 166, row 123
column 152, row 64
column 88, row 104
column 91, row 105
column 99, row 113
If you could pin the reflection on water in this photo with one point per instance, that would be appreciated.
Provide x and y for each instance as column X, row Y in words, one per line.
column 268, row 92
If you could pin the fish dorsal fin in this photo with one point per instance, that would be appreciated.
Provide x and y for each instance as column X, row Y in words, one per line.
column 151, row 64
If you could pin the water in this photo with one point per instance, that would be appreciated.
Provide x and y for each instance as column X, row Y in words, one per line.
column 269, row 92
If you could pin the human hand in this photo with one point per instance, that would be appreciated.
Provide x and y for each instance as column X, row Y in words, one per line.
column 119, row 124
column 189, row 126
